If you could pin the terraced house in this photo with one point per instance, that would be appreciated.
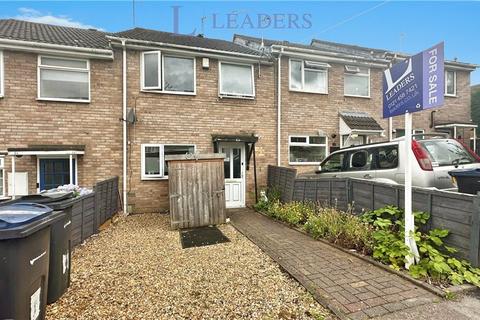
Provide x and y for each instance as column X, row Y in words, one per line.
column 83, row 105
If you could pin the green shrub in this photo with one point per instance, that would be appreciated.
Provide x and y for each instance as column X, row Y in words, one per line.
column 435, row 258
column 340, row 228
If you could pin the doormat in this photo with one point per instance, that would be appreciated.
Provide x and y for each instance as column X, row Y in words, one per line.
column 200, row 237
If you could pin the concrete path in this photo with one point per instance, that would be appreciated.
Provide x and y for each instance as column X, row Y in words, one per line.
column 349, row 286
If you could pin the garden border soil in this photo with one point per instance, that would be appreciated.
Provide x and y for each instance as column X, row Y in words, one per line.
column 456, row 289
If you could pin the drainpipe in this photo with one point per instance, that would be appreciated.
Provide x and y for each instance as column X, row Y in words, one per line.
column 124, row 122
column 13, row 176
column 279, row 107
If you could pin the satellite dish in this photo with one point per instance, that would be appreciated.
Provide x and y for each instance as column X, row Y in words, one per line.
column 131, row 116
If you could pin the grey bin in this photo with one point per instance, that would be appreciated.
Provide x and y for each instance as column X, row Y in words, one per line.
column 24, row 259
column 60, row 241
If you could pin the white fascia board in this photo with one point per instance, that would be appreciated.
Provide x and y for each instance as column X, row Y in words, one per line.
column 45, row 153
column 182, row 49
column 52, row 49
column 330, row 56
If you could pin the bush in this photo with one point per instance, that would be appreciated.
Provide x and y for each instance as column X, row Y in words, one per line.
column 435, row 261
column 341, row 228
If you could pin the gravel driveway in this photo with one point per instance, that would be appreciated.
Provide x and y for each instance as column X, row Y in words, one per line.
column 136, row 269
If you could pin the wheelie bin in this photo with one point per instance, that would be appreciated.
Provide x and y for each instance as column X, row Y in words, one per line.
column 467, row 180
column 60, row 241
column 24, row 259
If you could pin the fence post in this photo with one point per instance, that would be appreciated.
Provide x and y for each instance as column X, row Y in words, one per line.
column 373, row 196
column 475, row 232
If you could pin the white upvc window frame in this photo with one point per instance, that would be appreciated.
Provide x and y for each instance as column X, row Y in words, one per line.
column 161, row 76
column 232, row 94
column 454, row 94
column 47, row 67
column 2, row 76
column 161, row 159
column 306, row 144
column 302, row 61
column 52, row 157
column 2, row 169
column 359, row 74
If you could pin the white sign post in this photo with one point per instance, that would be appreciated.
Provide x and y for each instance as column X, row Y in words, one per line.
column 409, row 86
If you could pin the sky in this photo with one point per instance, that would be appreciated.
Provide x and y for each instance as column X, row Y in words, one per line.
column 406, row 26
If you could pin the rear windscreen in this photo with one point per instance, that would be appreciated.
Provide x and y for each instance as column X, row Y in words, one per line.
column 447, row 152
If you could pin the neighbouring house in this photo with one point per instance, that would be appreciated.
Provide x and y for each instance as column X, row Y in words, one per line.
column 82, row 105
column 331, row 94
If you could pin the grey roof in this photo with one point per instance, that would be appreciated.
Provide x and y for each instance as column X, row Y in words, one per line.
column 365, row 52
column 185, row 40
column 49, row 147
column 335, row 47
column 51, row 34
column 360, row 121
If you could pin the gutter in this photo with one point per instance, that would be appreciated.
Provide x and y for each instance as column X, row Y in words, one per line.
column 124, row 123
column 48, row 48
column 143, row 44
column 331, row 56
column 279, row 108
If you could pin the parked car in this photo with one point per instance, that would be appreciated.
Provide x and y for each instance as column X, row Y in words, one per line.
column 435, row 155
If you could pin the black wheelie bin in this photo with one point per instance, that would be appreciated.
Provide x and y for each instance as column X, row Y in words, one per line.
column 468, row 180
column 60, row 241
column 24, row 259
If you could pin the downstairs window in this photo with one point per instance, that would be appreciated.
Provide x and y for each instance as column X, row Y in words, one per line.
column 154, row 165
column 307, row 149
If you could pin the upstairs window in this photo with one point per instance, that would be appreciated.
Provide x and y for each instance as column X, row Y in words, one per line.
column 357, row 81
column 1, row 76
column 307, row 149
column 167, row 73
column 63, row 79
column 309, row 76
column 236, row 80
column 450, row 83
column 154, row 165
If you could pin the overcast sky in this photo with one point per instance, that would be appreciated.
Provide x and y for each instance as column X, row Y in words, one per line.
column 406, row 26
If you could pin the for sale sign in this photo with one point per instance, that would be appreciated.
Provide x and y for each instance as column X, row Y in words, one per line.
column 415, row 84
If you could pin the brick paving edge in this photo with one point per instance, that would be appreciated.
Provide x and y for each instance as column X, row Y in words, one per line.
column 315, row 295
column 457, row 289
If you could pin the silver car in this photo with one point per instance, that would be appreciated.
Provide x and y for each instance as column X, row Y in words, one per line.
column 432, row 157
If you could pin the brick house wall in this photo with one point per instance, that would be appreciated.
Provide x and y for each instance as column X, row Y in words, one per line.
column 184, row 119
column 306, row 113
column 26, row 120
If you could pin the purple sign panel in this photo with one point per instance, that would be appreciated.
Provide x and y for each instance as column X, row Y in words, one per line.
column 415, row 84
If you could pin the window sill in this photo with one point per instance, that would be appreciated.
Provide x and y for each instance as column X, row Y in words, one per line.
column 304, row 163
column 451, row 95
column 305, row 91
column 154, row 179
column 64, row 100
column 355, row 96
column 221, row 96
column 179, row 93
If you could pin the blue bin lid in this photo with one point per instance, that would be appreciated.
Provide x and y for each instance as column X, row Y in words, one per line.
column 475, row 172
column 20, row 213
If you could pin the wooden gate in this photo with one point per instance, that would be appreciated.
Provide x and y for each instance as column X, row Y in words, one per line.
column 196, row 190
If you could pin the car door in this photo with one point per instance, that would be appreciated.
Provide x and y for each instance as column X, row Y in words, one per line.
column 359, row 163
column 387, row 163
column 333, row 166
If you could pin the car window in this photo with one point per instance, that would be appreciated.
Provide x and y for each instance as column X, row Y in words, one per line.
column 334, row 163
column 359, row 160
column 387, row 157
column 446, row 152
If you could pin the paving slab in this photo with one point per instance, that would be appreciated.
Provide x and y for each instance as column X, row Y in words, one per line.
column 349, row 286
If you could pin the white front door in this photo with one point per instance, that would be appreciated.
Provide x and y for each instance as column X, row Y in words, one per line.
column 234, row 167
